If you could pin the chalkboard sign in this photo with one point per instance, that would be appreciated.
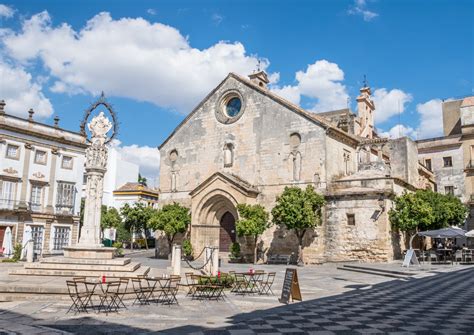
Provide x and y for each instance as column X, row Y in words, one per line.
column 291, row 287
column 410, row 258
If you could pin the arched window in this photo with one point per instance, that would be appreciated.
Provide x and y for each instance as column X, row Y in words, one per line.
column 295, row 163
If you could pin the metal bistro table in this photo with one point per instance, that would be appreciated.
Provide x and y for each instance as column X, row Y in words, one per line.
column 253, row 282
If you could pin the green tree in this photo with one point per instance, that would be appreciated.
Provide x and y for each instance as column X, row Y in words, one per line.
column 411, row 213
column 298, row 210
column 426, row 210
column 171, row 219
column 110, row 218
column 253, row 222
column 142, row 180
column 136, row 218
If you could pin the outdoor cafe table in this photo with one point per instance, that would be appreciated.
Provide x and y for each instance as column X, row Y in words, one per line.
column 91, row 286
column 444, row 253
column 252, row 282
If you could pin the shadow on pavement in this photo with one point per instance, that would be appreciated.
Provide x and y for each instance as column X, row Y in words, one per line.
column 442, row 303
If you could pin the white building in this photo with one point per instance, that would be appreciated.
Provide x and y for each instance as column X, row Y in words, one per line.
column 131, row 193
column 41, row 172
column 119, row 172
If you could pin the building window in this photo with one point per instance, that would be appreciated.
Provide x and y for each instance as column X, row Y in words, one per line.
column 233, row 107
column 295, row 140
column 61, row 237
column 65, row 198
column 35, row 199
column 428, row 164
column 7, row 194
column 449, row 190
column 351, row 221
column 40, row 157
column 66, row 162
column 448, row 161
column 13, row 151
column 37, row 236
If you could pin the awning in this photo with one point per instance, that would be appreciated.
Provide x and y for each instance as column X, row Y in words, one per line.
column 450, row 232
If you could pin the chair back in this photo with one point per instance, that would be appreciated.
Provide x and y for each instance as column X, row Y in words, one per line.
column 72, row 287
column 174, row 282
column 79, row 279
column 124, row 284
column 271, row 277
column 113, row 287
column 137, row 284
column 189, row 278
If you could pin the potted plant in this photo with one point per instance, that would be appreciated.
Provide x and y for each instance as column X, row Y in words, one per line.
column 118, row 249
column 235, row 255
column 187, row 248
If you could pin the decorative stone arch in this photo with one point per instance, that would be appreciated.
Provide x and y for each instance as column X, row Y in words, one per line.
column 217, row 195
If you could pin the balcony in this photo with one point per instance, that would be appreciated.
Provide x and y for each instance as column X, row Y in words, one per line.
column 65, row 210
column 7, row 204
column 470, row 166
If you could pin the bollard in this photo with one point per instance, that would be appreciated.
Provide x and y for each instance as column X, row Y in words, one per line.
column 30, row 251
column 176, row 260
column 207, row 255
column 215, row 261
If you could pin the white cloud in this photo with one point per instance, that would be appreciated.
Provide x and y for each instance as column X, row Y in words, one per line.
column 290, row 93
column 399, row 130
column 147, row 158
column 360, row 8
column 431, row 118
column 389, row 103
column 128, row 57
column 217, row 19
column 6, row 11
column 21, row 93
column 151, row 11
column 322, row 82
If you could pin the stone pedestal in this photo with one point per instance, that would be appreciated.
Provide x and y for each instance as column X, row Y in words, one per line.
column 89, row 252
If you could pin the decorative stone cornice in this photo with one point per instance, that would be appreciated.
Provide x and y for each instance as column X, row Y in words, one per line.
column 10, row 171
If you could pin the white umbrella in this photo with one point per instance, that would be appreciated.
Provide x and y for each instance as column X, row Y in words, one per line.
column 26, row 237
column 8, row 243
column 470, row 233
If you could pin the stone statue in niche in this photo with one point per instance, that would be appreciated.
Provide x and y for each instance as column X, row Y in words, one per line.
column 296, row 165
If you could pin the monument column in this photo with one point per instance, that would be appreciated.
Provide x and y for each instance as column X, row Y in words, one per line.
column 90, row 245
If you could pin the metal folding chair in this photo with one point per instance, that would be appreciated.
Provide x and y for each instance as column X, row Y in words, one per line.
column 141, row 291
column 109, row 298
column 266, row 285
column 79, row 299
column 122, row 291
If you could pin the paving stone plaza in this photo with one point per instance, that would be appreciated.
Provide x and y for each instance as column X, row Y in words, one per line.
column 429, row 300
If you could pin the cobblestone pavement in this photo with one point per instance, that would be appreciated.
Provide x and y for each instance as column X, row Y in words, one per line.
column 438, row 300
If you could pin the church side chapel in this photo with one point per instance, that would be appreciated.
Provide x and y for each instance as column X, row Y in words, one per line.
column 244, row 144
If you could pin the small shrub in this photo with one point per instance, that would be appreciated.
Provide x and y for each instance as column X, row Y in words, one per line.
column 187, row 248
column 235, row 250
column 17, row 252
column 119, row 249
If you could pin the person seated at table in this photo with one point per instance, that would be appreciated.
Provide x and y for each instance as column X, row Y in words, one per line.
column 440, row 245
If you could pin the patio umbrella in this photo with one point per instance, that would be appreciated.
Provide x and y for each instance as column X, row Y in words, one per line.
column 27, row 235
column 470, row 233
column 450, row 232
column 8, row 243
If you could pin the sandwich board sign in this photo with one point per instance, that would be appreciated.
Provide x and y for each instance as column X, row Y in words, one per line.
column 410, row 258
column 291, row 287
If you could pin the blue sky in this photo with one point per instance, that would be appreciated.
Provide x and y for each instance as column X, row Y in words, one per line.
column 156, row 60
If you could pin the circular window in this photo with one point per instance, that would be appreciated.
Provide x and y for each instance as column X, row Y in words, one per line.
column 233, row 107
column 230, row 107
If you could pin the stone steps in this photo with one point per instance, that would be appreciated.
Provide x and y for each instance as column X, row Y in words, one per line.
column 65, row 260
column 91, row 272
column 130, row 267
column 375, row 271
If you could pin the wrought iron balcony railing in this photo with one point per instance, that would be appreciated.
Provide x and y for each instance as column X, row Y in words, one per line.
column 470, row 165
column 65, row 210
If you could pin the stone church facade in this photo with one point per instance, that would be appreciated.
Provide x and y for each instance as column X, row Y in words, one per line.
column 244, row 144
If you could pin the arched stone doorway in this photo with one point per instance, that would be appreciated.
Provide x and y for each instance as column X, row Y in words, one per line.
column 227, row 233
